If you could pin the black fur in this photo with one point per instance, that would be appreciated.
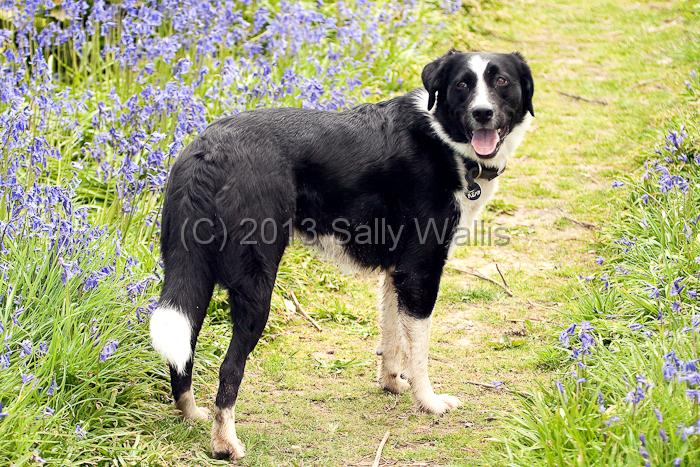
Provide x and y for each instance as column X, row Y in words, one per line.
column 255, row 176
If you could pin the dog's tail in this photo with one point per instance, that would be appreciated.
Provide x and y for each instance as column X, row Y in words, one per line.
column 188, row 233
column 171, row 334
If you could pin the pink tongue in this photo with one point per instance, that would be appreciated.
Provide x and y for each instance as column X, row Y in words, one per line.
column 484, row 141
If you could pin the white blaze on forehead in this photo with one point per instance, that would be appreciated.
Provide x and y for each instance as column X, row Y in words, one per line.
column 478, row 65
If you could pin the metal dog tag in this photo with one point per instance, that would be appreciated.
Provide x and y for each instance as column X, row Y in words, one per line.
column 473, row 191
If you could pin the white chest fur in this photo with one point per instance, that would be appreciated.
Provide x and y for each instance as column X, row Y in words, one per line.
column 470, row 211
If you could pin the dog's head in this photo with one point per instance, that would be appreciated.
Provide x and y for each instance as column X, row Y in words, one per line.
column 479, row 98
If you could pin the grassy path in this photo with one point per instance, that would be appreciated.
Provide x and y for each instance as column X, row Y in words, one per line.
column 310, row 397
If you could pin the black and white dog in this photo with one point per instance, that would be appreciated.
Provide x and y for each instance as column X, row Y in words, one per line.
column 241, row 188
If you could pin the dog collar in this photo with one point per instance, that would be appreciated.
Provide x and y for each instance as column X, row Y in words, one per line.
column 475, row 171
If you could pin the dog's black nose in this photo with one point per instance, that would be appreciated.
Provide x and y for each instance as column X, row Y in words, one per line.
column 482, row 114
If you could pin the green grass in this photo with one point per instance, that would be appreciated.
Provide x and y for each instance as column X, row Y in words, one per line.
column 628, row 400
column 309, row 397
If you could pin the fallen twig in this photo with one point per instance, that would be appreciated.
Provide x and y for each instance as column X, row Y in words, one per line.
column 378, row 456
column 584, row 224
column 482, row 277
column 584, row 99
column 497, row 388
column 505, row 284
column 298, row 307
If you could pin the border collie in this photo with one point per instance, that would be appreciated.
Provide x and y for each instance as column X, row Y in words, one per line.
column 410, row 170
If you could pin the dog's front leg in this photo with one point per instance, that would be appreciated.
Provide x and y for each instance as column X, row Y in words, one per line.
column 393, row 342
column 417, row 287
column 417, row 331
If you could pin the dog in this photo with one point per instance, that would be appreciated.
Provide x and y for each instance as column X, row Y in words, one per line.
column 412, row 169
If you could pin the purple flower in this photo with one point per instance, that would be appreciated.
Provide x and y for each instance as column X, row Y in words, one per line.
column 692, row 294
column 612, row 420
column 27, row 378
column 652, row 291
column 676, row 306
column 600, row 260
column 25, row 348
column 636, row 395
column 48, row 411
column 617, row 184
column 659, row 416
column 685, row 431
column 35, row 457
column 601, row 402
column 663, row 435
column 676, row 287
column 693, row 395
column 80, row 432
column 108, row 350
column 3, row 413
column 559, row 386
column 51, row 390
column 566, row 334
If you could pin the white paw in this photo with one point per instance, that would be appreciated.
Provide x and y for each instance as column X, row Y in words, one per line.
column 438, row 404
column 197, row 414
column 227, row 448
column 394, row 384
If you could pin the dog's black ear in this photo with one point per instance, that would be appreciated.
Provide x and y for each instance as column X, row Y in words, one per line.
column 526, row 82
column 432, row 76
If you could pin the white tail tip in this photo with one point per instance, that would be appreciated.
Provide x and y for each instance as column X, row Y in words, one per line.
column 171, row 333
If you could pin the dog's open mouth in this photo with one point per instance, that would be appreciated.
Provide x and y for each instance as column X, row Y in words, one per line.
column 486, row 142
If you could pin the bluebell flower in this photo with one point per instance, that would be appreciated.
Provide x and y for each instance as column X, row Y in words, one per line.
column 663, row 435
column 612, row 420
column 601, row 402
column 559, row 386
column 566, row 334
column 617, row 184
column 652, row 291
column 51, row 390
column 691, row 430
column 599, row 260
column 676, row 306
column 693, row 395
column 25, row 348
column 676, row 286
column 108, row 350
column 80, row 432
column 48, row 411
column 658, row 415
column 3, row 412
column 35, row 457
column 4, row 361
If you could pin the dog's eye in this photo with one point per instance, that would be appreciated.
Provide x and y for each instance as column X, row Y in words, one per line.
column 501, row 81
column 462, row 85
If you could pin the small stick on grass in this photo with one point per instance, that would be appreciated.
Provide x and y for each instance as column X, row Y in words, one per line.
column 584, row 99
column 378, row 455
column 297, row 305
column 484, row 278
column 497, row 388
column 505, row 284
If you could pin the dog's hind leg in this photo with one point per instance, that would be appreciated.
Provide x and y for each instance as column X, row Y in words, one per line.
column 250, row 306
column 176, row 323
column 393, row 341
